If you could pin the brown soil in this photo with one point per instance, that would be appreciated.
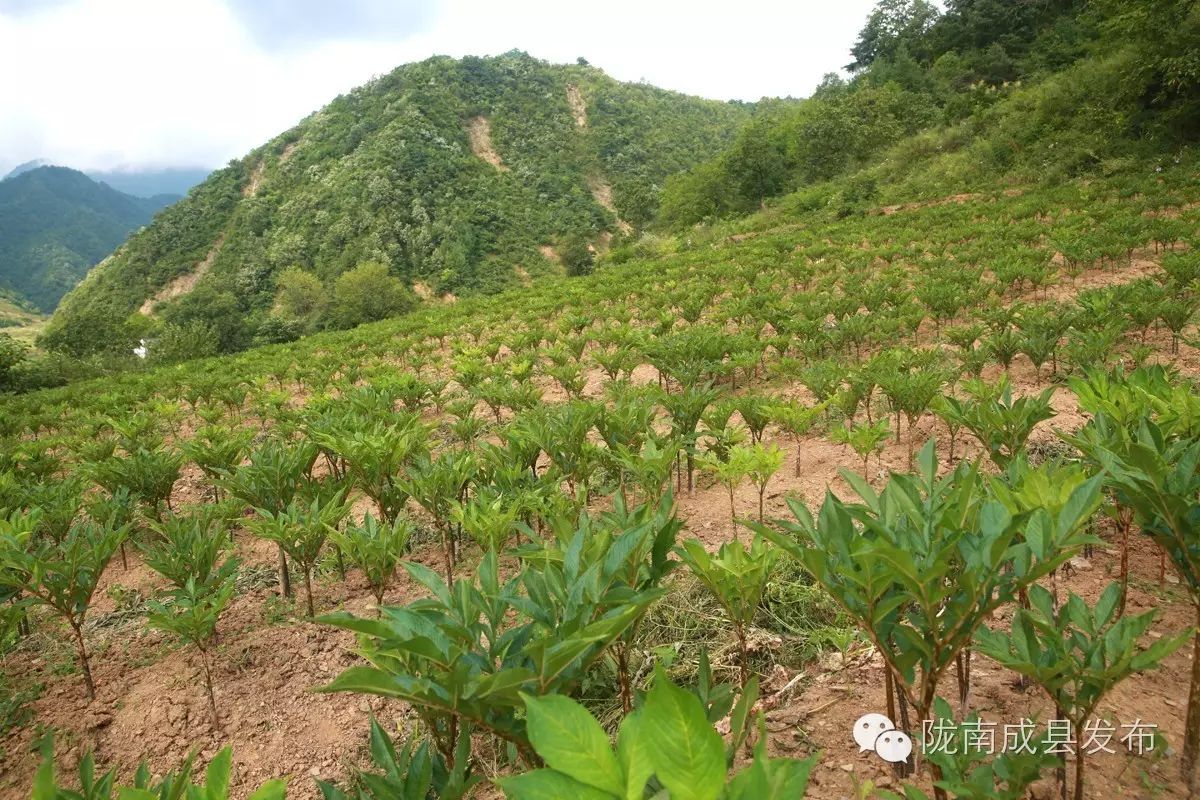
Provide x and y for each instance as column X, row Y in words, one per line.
column 256, row 178
column 604, row 196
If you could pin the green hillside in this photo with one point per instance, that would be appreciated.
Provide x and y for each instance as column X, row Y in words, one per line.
column 989, row 91
column 56, row 224
column 453, row 174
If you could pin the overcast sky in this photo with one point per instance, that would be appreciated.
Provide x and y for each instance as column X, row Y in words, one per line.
column 98, row 84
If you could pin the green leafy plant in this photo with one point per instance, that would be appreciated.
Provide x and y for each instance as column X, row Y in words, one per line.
column 601, row 562
column 172, row 786
column 192, row 615
column 796, row 420
column 147, row 474
column 865, row 439
column 375, row 548
column 971, row 774
column 271, row 479
column 413, row 772
column 1158, row 476
column 464, row 655
column 301, row 530
column 737, row 577
column 668, row 742
column 191, row 547
column 922, row 564
column 61, row 575
column 1075, row 653
column 1000, row 423
column 436, row 484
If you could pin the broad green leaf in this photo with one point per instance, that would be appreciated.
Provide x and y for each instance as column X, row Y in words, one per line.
column 632, row 755
column 547, row 784
column 687, row 754
column 216, row 778
column 570, row 741
column 275, row 789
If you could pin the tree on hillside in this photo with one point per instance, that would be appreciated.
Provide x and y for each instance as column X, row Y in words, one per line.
column 892, row 24
column 368, row 293
column 757, row 162
column 577, row 256
column 12, row 353
column 211, row 305
column 300, row 296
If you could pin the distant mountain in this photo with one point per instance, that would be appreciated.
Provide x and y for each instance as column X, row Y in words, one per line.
column 26, row 167
column 56, row 224
column 138, row 182
column 459, row 176
column 150, row 183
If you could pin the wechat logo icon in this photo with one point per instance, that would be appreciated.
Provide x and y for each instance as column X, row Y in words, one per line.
column 877, row 733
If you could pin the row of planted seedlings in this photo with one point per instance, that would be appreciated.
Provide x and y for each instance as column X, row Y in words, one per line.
column 920, row 564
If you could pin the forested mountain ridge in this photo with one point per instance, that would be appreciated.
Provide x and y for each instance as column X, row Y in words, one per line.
column 457, row 175
column 55, row 224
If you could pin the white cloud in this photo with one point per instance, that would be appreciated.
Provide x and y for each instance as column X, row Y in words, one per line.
column 104, row 83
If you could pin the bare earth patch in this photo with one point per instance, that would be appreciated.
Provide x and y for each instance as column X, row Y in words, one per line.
column 479, row 130
column 578, row 106
column 184, row 283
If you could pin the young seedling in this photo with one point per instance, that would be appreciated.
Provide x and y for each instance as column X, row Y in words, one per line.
column 192, row 616
column 649, row 468
column 217, row 450
column 275, row 473
column 191, row 548
column 466, row 653
column 1157, row 475
column 686, row 409
column 375, row 548
column 1000, row 423
column 412, row 772
column 669, row 739
column 737, row 578
column 923, row 564
column 301, row 530
column 762, row 462
column 148, row 475
column 730, row 473
column 488, row 517
column 865, row 439
column 796, row 420
column 435, row 484
column 172, row 786
column 1076, row 653
column 61, row 575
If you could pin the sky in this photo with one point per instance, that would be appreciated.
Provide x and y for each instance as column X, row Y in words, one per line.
column 104, row 84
